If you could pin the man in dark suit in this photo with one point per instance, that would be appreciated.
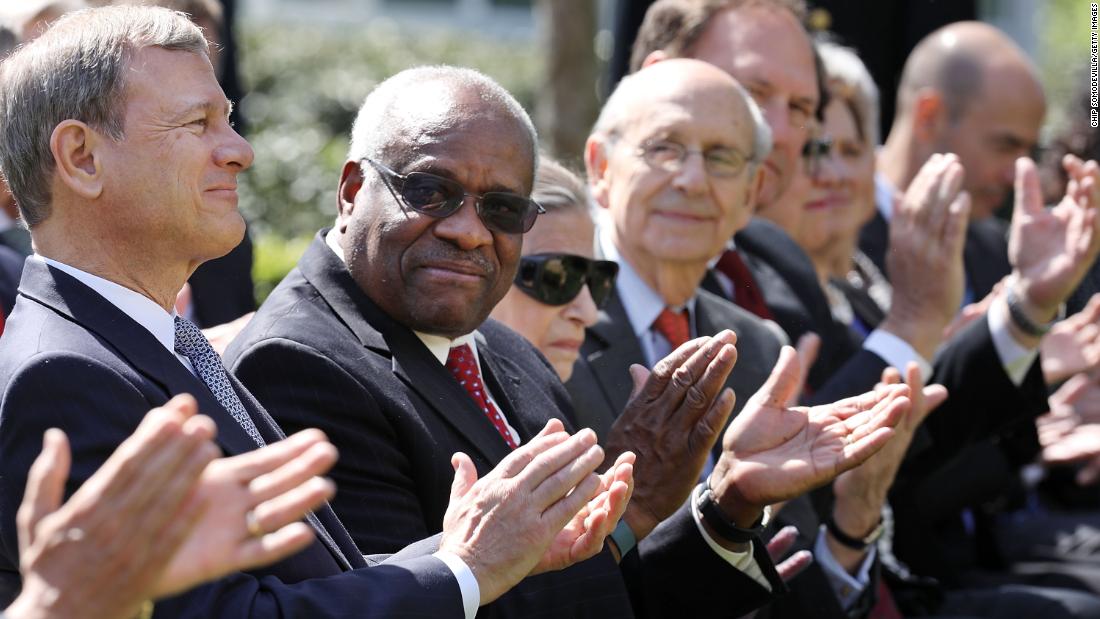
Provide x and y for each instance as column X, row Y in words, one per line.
column 126, row 191
column 385, row 320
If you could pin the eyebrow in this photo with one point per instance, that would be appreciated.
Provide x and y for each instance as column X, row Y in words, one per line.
column 206, row 107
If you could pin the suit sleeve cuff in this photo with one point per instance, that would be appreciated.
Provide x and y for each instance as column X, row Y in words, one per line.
column 1015, row 358
column 896, row 352
column 742, row 561
column 847, row 587
column 467, row 582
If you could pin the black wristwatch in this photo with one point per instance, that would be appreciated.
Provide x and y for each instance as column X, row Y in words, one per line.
column 855, row 543
column 722, row 525
column 1020, row 318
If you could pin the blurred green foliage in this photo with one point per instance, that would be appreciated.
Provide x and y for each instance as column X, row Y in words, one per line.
column 304, row 85
column 1063, row 58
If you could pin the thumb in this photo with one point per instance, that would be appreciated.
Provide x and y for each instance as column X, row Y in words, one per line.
column 783, row 381
column 638, row 374
column 1029, row 199
column 465, row 475
column 45, row 485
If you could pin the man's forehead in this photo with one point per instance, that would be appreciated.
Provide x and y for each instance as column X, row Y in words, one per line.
column 763, row 45
column 718, row 116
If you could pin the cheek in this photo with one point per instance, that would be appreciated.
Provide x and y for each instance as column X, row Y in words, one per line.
column 525, row 316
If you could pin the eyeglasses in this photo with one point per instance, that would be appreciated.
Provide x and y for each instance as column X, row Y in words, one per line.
column 557, row 279
column 814, row 151
column 720, row 161
column 440, row 197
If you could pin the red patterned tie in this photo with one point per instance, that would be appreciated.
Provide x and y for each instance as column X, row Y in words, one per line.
column 674, row 326
column 463, row 365
column 885, row 607
column 745, row 291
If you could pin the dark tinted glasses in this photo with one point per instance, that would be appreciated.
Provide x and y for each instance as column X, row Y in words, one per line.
column 557, row 279
column 440, row 197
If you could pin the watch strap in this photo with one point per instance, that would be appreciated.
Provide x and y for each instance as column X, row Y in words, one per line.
column 854, row 543
column 722, row 525
column 624, row 539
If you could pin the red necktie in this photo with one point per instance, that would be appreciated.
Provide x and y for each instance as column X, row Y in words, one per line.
column 885, row 607
column 674, row 326
column 745, row 291
column 463, row 365
column 2, row 319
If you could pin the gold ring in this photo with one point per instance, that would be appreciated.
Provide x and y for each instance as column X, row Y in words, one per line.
column 252, row 524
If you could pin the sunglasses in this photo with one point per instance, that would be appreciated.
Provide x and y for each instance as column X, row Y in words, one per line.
column 557, row 279
column 440, row 197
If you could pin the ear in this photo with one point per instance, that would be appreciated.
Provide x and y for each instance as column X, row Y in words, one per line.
column 654, row 57
column 351, row 180
column 595, row 164
column 79, row 165
column 929, row 116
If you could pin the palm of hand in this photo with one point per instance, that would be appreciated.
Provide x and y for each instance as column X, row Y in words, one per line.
column 779, row 453
column 1048, row 259
column 224, row 528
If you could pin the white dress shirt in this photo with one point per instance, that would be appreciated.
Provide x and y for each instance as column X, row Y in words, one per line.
column 161, row 324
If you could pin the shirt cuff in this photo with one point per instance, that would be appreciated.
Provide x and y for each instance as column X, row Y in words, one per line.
column 847, row 587
column 1015, row 358
column 745, row 562
column 896, row 352
column 467, row 582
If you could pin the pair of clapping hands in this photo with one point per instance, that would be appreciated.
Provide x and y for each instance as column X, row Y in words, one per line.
column 170, row 513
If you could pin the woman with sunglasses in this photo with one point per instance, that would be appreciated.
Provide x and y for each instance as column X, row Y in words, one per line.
column 558, row 286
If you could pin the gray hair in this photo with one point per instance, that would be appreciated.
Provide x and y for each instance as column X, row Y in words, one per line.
column 557, row 188
column 850, row 83
column 378, row 128
column 76, row 70
column 610, row 119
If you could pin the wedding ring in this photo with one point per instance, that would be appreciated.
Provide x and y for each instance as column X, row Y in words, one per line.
column 252, row 524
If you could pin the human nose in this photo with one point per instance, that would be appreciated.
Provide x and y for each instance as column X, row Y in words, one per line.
column 464, row 227
column 582, row 308
column 691, row 173
column 234, row 152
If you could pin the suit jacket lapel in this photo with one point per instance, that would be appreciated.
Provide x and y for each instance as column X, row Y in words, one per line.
column 69, row 297
column 412, row 362
column 505, row 382
column 610, row 348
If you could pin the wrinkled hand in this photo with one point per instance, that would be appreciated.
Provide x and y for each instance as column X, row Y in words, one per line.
column 671, row 422
column 502, row 524
column 1052, row 249
column 927, row 233
column 278, row 484
column 772, row 454
column 1073, row 345
column 136, row 511
column 861, row 492
column 584, row 535
column 1069, row 433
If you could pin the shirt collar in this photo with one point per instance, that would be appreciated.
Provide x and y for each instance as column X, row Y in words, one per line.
column 642, row 304
column 141, row 308
column 439, row 346
column 885, row 192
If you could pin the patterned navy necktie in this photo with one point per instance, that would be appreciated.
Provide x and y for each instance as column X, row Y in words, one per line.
column 191, row 343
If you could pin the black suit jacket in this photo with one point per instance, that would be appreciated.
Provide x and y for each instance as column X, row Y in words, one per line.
column 600, row 387
column 70, row 359
column 11, row 269
column 320, row 353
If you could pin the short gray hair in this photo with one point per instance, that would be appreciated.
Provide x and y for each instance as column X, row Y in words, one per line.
column 557, row 188
column 610, row 119
column 76, row 70
column 850, row 83
column 377, row 129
